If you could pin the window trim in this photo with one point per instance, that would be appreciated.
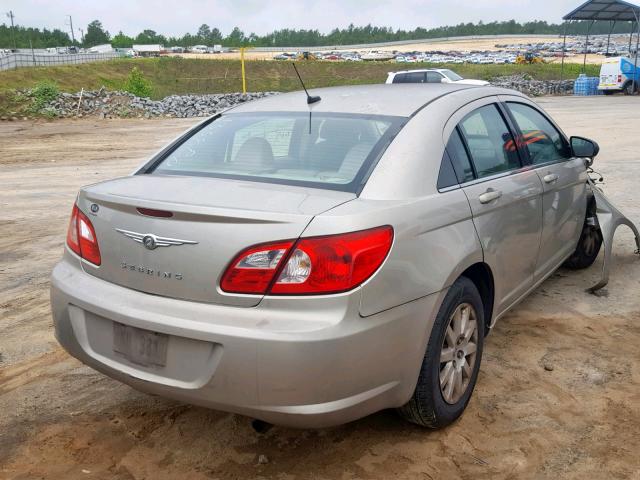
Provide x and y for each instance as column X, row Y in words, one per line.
column 524, row 151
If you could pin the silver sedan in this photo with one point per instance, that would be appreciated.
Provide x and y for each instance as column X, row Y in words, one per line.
column 310, row 264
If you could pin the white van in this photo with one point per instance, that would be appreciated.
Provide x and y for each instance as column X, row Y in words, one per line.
column 617, row 75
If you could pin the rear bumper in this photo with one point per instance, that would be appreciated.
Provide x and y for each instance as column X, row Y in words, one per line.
column 302, row 362
column 609, row 86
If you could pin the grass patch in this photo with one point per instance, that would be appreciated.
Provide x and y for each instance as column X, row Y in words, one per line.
column 174, row 75
column 43, row 93
column 137, row 84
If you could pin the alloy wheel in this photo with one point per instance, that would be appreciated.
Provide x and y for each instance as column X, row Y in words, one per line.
column 458, row 353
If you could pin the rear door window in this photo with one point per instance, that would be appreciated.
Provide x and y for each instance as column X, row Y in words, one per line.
column 447, row 176
column 489, row 141
column 434, row 77
column 460, row 158
column 540, row 138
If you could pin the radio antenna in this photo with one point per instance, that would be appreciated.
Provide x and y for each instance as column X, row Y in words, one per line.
column 310, row 99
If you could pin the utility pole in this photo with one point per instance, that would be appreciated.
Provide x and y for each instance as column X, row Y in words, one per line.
column 73, row 36
column 13, row 28
column 81, row 35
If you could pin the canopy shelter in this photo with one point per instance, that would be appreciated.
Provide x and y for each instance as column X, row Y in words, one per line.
column 612, row 11
column 608, row 10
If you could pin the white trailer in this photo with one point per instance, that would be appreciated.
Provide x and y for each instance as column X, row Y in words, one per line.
column 152, row 50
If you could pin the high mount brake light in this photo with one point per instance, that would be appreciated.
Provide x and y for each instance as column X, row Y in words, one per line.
column 81, row 237
column 152, row 212
column 309, row 266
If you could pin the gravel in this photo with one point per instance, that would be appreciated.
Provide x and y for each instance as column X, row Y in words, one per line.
column 107, row 104
column 534, row 88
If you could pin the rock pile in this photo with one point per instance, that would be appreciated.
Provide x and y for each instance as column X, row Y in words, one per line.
column 535, row 88
column 107, row 104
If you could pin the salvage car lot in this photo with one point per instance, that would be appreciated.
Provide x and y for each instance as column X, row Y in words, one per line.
column 559, row 392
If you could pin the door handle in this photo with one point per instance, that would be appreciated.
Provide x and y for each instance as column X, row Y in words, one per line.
column 490, row 195
column 550, row 177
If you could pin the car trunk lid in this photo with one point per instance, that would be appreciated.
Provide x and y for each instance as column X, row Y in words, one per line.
column 211, row 221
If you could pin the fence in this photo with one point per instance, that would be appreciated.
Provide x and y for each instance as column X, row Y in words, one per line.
column 17, row 60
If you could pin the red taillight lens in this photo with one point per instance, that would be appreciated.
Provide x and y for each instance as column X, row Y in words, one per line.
column 81, row 237
column 619, row 78
column 72, row 231
column 254, row 268
column 315, row 265
column 334, row 263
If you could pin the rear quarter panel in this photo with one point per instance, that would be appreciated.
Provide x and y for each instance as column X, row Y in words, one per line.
column 434, row 242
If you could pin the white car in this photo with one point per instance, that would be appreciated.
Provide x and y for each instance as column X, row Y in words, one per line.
column 431, row 75
column 199, row 49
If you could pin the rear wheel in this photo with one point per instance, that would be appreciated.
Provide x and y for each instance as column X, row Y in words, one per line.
column 587, row 250
column 628, row 88
column 452, row 360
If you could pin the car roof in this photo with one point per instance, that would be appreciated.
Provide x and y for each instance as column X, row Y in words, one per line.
column 420, row 70
column 381, row 99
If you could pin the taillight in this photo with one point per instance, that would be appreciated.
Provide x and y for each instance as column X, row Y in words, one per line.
column 619, row 78
column 254, row 268
column 315, row 265
column 81, row 237
column 72, row 232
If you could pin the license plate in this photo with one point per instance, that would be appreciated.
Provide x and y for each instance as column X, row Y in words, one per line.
column 139, row 346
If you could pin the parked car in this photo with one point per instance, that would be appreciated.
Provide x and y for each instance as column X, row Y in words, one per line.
column 431, row 75
column 310, row 267
column 199, row 49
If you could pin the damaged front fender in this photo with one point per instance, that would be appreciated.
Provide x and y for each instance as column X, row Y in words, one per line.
column 609, row 219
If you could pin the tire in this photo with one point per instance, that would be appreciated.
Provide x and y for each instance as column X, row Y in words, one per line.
column 428, row 406
column 587, row 250
column 628, row 88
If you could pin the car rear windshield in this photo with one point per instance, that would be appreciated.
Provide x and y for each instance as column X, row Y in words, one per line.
column 324, row 150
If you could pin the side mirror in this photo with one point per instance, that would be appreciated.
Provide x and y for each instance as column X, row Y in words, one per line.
column 583, row 147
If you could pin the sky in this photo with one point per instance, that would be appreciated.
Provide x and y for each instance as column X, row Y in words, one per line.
column 176, row 17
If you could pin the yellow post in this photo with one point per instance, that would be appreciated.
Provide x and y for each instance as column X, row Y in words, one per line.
column 244, row 79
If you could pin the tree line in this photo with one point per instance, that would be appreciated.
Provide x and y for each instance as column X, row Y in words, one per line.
column 96, row 34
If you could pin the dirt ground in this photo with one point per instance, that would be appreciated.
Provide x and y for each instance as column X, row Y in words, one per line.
column 462, row 45
column 578, row 418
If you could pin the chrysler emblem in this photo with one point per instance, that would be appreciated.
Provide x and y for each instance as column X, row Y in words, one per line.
column 151, row 241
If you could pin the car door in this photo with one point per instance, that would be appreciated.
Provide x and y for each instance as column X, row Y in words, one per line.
column 563, row 177
column 505, row 198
